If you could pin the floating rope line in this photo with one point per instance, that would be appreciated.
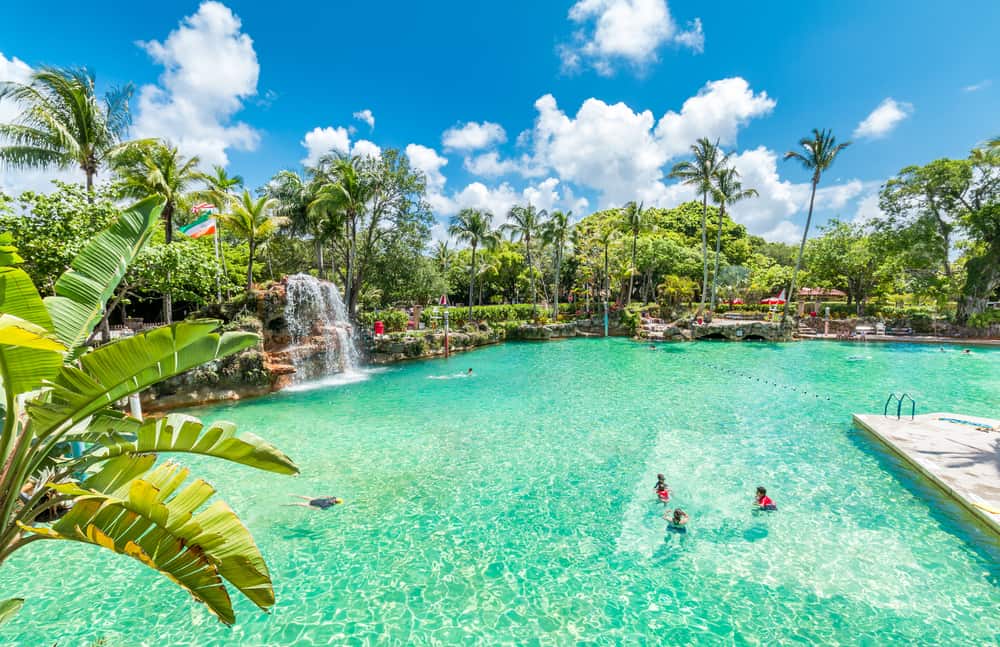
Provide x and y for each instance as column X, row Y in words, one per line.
column 761, row 380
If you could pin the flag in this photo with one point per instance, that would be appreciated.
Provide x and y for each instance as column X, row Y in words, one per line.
column 203, row 226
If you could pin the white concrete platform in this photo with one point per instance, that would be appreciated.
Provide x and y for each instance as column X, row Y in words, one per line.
column 959, row 458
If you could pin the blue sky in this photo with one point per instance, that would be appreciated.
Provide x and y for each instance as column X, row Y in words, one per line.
column 575, row 105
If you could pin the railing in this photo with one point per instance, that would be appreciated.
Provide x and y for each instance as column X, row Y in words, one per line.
column 899, row 405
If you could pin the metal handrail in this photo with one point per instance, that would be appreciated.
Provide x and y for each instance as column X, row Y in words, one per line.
column 885, row 409
column 899, row 405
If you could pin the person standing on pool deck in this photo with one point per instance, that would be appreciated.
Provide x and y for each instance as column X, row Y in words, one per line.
column 763, row 501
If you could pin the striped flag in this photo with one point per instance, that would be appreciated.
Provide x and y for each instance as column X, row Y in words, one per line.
column 204, row 226
column 203, row 208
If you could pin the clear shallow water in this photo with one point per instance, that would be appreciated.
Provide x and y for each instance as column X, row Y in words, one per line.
column 517, row 506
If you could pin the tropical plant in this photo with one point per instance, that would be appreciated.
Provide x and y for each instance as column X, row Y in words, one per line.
column 443, row 255
column 605, row 236
column 726, row 190
column 555, row 231
column 475, row 227
column 524, row 224
column 708, row 159
column 817, row 155
column 253, row 221
column 58, row 393
column 63, row 123
column 635, row 222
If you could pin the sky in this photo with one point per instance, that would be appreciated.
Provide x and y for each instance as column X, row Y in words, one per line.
column 568, row 104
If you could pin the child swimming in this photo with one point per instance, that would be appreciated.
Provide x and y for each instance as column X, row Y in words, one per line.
column 661, row 489
column 677, row 521
column 764, row 502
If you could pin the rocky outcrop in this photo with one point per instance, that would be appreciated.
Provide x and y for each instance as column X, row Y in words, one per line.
column 396, row 347
column 720, row 329
column 540, row 332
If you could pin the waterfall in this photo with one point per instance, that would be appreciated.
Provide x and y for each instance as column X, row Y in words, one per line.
column 314, row 311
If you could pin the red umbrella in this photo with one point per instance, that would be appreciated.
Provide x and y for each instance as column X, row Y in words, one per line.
column 775, row 301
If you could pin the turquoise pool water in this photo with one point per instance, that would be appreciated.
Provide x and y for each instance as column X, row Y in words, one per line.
column 516, row 506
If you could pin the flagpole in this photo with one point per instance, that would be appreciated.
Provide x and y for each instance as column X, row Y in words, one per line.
column 218, row 282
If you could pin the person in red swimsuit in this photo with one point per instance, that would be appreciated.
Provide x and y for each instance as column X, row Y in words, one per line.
column 661, row 489
column 764, row 502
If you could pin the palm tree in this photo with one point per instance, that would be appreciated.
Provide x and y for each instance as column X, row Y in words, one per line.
column 726, row 190
column 219, row 189
column 555, row 232
column 63, row 123
column 605, row 237
column 635, row 221
column 525, row 223
column 341, row 200
column 818, row 155
column 158, row 169
column 475, row 227
column 442, row 254
column 707, row 160
column 251, row 219
column 293, row 195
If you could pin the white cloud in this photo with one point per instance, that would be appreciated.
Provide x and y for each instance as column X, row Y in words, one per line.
column 14, row 181
column 320, row 141
column 883, row 119
column 868, row 209
column 717, row 112
column 366, row 116
column 473, row 136
column 365, row 148
column 630, row 31
column 427, row 161
column 490, row 164
column 976, row 87
column 210, row 69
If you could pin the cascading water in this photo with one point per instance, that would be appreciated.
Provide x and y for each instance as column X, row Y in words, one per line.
column 314, row 309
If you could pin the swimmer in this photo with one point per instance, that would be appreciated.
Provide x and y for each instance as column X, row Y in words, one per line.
column 662, row 491
column 321, row 503
column 966, row 352
column 469, row 372
column 652, row 347
column 676, row 521
column 764, row 502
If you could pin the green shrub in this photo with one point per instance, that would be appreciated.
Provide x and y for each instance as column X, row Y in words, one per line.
column 985, row 319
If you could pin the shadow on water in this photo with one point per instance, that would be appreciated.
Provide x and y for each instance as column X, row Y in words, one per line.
column 951, row 516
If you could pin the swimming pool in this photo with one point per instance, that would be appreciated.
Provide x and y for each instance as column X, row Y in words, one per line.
column 517, row 506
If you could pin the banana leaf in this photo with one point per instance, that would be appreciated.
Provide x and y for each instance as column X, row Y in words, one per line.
column 24, row 365
column 9, row 608
column 156, row 521
column 83, row 290
column 128, row 366
column 8, row 252
column 181, row 433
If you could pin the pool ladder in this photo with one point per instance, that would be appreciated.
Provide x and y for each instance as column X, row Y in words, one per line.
column 899, row 405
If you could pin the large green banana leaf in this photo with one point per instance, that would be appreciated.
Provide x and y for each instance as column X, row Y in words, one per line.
column 8, row 252
column 82, row 291
column 128, row 366
column 155, row 521
column 23, row 366
column 181, row 433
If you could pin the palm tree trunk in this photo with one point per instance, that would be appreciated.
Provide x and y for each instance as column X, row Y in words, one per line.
column 472, row 279
column 631, row 271
column 319, row 256
column 250, row 267
column 718, row 247
column 90, row 186
column 802, row 247
column 555, row 299
column 704, row 250
column 531, row 276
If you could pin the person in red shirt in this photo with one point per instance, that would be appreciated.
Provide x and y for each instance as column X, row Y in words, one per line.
column 764, row 502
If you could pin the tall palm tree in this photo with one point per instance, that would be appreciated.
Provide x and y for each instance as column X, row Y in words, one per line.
column 220, row 187
column 64, row 124
column 726, row 190
column 635, row 221
column 817, row 155
column 525, row 223
column 341, row 198
column 698, row 173
column 252, row 220
column 158, row 169
column 555, row 232
column 605, row 237
column 294, row 194
column 473, row 226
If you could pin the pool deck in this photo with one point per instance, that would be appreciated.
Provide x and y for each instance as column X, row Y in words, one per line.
column 961, row 460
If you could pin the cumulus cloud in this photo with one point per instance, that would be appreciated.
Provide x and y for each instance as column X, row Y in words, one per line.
column 883, row 119
column 366, row 116
column 320, row 141
column 14, row 181
column 365, row 148
column 429, row 162
column 473, row 136
column 629, row 31
column 210, row 70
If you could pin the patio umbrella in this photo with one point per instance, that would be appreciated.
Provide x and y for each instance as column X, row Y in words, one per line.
column 775, row 301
